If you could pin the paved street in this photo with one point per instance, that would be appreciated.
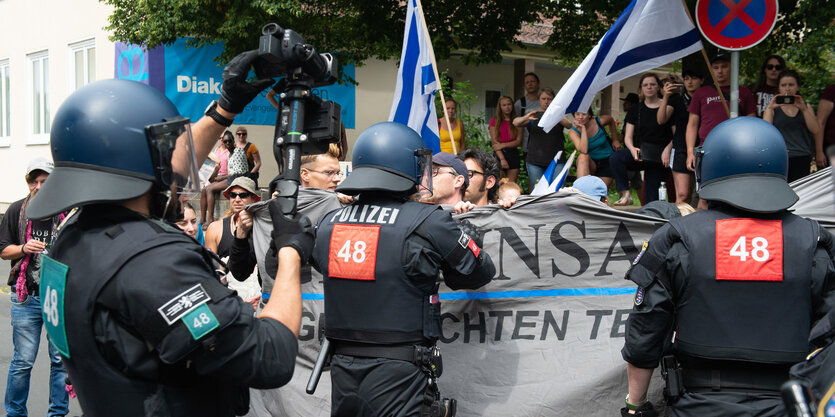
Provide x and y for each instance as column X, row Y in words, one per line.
column 39, row 385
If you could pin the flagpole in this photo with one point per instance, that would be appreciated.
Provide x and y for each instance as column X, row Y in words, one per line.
column 707, row 61
column 437, row 78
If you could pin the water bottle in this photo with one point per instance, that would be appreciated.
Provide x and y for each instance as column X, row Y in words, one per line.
column 662, row 192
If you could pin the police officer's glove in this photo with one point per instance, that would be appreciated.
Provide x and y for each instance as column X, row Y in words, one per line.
column 296, row 232
column 472, row 232
column 236, row 92
column 645, row 410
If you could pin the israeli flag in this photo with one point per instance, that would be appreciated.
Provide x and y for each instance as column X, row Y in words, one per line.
column 544, row 186
column 414, row 96
column 648, row 34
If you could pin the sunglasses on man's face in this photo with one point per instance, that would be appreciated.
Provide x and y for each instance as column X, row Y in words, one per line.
column 242, row 195
column 241, row 133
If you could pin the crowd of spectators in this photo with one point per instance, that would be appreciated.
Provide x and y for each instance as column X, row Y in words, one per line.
column 654, row 149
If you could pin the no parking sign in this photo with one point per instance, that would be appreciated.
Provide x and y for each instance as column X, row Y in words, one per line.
column 736, row 24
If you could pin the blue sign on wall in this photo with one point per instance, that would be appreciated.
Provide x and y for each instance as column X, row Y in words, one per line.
column 193, row 78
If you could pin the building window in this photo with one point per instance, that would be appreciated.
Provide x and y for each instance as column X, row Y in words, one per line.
column 5, row 104
column 38, row 96
column 82, row 63
column 491, row 94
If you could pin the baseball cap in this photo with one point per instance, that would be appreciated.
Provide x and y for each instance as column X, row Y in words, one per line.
column 40, row 163
column 449, row 160
column 591, row 186
column 721, row 56
column 244, row 182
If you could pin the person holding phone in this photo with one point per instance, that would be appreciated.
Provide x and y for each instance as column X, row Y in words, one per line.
column 647, row 143
column 678, row 95
column 796, row 120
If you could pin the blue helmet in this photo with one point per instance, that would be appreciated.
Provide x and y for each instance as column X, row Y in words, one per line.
column 744, row 163
column 111, row 141
column 389, row 156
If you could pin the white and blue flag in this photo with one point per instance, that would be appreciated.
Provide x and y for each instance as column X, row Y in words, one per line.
column 544, row 186
column 414, row 96
column 648, row 34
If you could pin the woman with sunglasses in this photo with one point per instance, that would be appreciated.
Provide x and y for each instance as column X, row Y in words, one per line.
column 766, row 86
column 235, row 224
column 221, row 233
column 219, row 179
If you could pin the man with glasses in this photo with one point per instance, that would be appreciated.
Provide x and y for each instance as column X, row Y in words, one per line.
column 449, row 179
column 484, row 173
column 320, row 171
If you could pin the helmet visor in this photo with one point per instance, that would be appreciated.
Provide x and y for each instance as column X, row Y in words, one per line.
column 172, row 153
column 424, row 180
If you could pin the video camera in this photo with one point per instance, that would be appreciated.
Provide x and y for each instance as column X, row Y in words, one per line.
column 306, row 124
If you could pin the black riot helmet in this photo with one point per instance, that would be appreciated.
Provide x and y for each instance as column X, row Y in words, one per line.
column 389, row 156
column 115, row 140
column 744, row 163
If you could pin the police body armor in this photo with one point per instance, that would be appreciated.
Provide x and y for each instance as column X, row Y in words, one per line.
column 726, row 312
column 368, row 297
column 94, row 256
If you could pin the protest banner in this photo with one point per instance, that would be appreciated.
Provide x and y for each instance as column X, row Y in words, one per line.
column 543, row 338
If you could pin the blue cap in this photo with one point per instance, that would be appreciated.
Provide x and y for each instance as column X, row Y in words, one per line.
column 591, row 186
column 449, row 160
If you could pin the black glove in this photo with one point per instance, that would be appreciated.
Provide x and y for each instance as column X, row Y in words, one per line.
column 472, row 232
column 236, row 92
column 645, row 410
column 296, row 232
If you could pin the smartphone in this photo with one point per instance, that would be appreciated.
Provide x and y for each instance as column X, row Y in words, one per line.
column 785, row 100
column 680, row 88
column 639, row 154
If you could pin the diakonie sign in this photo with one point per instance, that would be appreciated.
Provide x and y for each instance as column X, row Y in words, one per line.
column 543, row 338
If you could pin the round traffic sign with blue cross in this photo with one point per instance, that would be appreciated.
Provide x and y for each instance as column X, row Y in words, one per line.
column 736, row 24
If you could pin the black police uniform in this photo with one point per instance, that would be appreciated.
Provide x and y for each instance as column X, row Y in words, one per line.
column 381, row 259
column 147, row 327
column 736, row 332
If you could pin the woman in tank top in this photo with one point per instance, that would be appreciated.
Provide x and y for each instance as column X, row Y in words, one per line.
column 797, row 122
column 457, row 129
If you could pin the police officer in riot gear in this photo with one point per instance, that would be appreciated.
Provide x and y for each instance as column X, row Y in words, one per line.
column 143, row 325
column 380, row 258
column 739, row 285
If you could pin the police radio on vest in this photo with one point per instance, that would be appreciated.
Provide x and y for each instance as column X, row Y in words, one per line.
column 186, row 84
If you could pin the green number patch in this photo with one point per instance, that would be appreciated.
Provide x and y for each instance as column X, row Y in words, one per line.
column 53, row 284
column 200, row 321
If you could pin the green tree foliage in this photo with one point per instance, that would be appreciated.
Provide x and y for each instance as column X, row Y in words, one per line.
column 357, row 29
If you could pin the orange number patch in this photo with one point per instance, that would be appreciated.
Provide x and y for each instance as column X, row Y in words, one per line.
column 749, row 250
column 353, row 251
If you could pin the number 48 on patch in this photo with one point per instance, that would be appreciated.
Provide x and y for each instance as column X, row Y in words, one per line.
column 353, row 251
column 749, row 250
